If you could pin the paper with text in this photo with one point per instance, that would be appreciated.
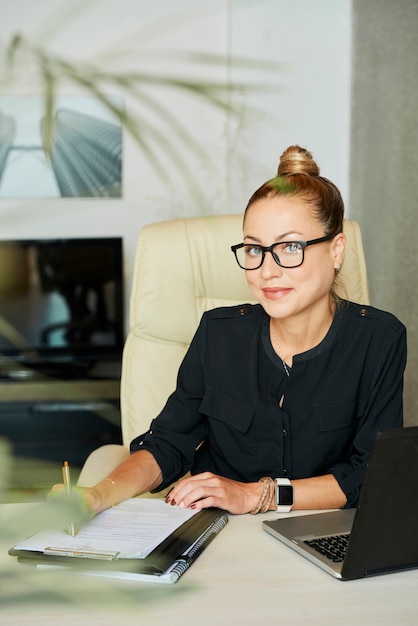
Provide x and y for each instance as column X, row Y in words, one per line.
column 132, row 529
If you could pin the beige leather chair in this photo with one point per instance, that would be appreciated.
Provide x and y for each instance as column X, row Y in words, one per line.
column 182, row 268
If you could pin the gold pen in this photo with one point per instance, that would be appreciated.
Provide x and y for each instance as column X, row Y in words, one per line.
column 67, row 484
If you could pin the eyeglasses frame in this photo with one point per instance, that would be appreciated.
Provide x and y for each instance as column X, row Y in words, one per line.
column 265, row 249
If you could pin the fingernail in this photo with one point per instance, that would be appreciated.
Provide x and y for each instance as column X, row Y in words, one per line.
column 181, row 505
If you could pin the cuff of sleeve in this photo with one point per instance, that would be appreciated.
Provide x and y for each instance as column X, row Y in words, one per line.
column 349, row 486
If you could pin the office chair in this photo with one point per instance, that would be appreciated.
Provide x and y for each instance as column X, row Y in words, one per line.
column 182, row 268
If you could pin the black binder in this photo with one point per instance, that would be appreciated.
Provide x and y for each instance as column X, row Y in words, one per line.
column 164, row 564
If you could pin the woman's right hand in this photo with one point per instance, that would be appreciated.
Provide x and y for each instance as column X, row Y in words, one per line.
column 90, row 496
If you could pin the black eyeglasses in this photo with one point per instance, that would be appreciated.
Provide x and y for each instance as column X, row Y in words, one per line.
column 250, row 256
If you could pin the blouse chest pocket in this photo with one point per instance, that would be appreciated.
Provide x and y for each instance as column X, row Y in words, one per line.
column 230, row 423
column 335, row 415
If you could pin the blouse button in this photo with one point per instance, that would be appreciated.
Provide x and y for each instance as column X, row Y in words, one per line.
column 363, row 312
column 284, row 431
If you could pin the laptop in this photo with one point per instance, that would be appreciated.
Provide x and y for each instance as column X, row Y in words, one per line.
column 381, row 535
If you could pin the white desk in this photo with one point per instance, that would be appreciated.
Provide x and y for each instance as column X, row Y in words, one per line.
column 245, row 576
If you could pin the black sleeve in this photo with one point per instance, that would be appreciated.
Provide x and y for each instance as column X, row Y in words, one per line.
column 177, row 431
column 384, row 409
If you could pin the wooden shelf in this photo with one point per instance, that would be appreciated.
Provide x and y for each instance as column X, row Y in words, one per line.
column 50, row 390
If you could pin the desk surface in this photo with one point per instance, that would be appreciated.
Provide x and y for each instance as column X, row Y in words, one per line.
column 245, row 576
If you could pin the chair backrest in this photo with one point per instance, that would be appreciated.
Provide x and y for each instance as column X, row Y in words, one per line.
column 182, row 268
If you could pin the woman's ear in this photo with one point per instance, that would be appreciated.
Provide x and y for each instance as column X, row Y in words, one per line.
column 338, row 249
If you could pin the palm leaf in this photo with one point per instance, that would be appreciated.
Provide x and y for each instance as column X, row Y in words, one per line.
column 56, row 71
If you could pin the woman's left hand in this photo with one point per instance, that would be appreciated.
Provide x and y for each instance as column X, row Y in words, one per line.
column 209, row 490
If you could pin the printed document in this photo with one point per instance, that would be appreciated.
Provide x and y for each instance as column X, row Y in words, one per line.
column 129, row 530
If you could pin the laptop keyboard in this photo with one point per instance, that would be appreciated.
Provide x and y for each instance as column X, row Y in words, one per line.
column 333, row 547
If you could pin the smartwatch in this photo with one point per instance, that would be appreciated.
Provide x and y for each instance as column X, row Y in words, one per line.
column 284, row 495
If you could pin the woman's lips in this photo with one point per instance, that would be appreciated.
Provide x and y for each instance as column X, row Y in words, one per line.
column 275, row 293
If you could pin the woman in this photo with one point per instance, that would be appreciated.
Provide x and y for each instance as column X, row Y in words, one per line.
column 294, row 388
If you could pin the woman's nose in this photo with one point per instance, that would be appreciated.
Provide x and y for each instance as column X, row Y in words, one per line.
column 270, row 267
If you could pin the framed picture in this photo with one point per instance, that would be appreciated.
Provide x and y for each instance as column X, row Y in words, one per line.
column 86, row 158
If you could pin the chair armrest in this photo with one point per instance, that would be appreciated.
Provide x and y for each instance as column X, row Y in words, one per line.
column 100, row 463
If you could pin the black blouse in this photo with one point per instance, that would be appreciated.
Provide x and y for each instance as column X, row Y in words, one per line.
column 225, row 416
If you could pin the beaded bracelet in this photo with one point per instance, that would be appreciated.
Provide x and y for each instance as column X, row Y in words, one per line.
column 266, row 497
column 271, row 492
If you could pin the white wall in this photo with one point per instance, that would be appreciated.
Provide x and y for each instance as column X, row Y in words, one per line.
column 311, row 107
column 309, row 100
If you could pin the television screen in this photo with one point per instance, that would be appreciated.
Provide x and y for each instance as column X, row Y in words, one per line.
column 61, row 302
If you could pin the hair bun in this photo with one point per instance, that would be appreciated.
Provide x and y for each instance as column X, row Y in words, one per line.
column 297, row 160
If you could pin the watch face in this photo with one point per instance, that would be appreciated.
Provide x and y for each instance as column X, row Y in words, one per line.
column 285, row 495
